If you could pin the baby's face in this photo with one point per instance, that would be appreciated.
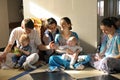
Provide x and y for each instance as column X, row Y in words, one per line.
column 71, row 43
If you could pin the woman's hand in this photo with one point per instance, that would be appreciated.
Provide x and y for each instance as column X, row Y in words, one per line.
column 99, row 56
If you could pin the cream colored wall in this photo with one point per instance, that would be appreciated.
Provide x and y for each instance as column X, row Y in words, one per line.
column 83, row 14
column 4, row 29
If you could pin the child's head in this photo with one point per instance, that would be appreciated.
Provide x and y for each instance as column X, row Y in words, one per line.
column 51, row 24
column 24, row 40
column 72, row 41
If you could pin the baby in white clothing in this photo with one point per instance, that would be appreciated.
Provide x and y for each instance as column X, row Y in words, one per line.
column 74, row 47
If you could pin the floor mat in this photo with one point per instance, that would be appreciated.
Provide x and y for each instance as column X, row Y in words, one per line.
column 101, row 77
column 51, row 76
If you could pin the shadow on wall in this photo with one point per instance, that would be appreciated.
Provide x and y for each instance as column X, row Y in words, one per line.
column 87, row 48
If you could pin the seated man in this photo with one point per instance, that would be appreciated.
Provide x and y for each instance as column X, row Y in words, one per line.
column 27, row 26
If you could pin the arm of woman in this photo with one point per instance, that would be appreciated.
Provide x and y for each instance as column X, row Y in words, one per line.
column 118, row 42
column 64, row 49
column 60, row 51
column 118, row 56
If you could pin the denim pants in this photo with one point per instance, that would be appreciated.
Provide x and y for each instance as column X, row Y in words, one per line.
column 57, row 61
column 20, row 60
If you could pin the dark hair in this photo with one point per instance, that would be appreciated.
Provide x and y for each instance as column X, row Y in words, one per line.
column 51, row 21
column 68, row 21
column 114, row 19
column 29, row 23
column 109, row 22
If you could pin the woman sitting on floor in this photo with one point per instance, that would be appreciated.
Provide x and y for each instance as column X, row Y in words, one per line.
column 108, row 60
column 56, row 62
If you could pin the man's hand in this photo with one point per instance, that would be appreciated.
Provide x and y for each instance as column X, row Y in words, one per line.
column 2, row 57
column 52, row 45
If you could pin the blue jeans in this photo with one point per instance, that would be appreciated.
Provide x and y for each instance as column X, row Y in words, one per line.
column 20, row 60
column 57, row 61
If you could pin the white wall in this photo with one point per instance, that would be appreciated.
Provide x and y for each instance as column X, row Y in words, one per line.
column 83, row 14
column 4, row 28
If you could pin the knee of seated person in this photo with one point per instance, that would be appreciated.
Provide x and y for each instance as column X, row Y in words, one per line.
column 108, row 59
column 23, row 56
column 36, row 56
column 64, row 56
column 51, row 58
column 87, row 58
column 33, row 55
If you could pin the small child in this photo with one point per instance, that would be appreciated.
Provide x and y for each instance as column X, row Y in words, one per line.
column 49, row 35
column 72, row 45
column 22, row 51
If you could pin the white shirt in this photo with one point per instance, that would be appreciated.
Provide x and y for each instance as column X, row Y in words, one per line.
column 34, row 38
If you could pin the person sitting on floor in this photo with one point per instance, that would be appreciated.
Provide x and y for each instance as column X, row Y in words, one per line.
column 49, row 35
column 108, row 59
column 27, row 26
column 56, row 62
column 22, row 52
column 74, row 47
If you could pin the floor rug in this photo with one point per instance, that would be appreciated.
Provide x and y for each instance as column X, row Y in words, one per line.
column 59, row 75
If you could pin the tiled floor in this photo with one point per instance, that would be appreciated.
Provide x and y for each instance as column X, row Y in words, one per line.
column 74, row 74
column 70, row 74
column 6, row 74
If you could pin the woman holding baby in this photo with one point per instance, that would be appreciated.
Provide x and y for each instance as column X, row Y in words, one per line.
column 56, row 62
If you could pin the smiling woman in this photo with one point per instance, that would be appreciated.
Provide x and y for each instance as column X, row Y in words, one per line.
column 109, row 56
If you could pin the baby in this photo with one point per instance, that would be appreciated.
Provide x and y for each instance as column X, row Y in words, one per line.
column 74, row 47
column 22, row 52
